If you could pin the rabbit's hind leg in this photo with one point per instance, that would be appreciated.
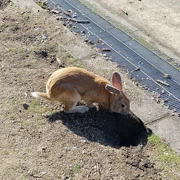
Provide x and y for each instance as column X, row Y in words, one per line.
column 71, row 102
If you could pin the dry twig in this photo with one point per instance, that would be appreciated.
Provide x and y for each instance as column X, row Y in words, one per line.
column 162, row 82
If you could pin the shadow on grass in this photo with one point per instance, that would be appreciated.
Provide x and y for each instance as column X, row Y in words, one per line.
column 107, row 128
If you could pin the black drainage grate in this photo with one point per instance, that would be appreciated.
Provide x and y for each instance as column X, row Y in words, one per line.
column 124, row 50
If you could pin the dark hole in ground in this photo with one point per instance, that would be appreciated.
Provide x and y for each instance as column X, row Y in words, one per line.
column 104, row 127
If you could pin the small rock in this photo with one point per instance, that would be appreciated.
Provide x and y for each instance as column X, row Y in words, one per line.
column 74, row 16
column 83, row 32
column 136, row 83
column 70, row 11
column 25, row 94
column 86, row 40
column 45, row 115
column 145, row 87
column 83, row 140
column 106, row 49
column 44, row 37
column 158, row 101
column 30, row 172
column 58, row 17
column 55, row 11
column 44, row 148
column 90, row 42
column 167, row 76
column 25, row 106
column 59, row 61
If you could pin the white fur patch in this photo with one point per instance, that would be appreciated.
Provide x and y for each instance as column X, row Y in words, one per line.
column 78, row 109
column 34, row 94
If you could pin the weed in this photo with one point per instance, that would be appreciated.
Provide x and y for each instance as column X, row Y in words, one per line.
column 78, row 168
column 73, row 171
column 42, row 4
column 70, row 174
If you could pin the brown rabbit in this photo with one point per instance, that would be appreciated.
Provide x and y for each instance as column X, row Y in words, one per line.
column 70, row 85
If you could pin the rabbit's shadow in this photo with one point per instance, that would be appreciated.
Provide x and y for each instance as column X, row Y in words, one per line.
column 104, row 127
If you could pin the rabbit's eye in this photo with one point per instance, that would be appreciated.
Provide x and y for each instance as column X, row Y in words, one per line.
column 123, row 106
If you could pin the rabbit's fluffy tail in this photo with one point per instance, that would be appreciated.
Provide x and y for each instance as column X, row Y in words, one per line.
column 40, row 95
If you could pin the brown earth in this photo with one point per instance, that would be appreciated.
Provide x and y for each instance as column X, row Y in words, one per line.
column 39, row 142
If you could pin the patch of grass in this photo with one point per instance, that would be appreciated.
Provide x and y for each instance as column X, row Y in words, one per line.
column 73, row 171
column 36, row 107
column 165, row 153
column 144, row 42
column 71, row 174
column 16, row 50
column 15, row 101
column 78, row 168
column 92, row 7
column 42, row 4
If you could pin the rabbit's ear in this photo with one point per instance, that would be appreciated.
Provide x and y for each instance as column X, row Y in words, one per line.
column 116, row 81
column 111, row 89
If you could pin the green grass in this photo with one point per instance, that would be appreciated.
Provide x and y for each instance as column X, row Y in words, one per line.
column 72, row 171
column 36, row 108
column 164, row 152
column 42, row 3
column 78, row 168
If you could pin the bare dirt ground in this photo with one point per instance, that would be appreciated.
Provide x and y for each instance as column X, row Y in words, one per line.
column 39, row 142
